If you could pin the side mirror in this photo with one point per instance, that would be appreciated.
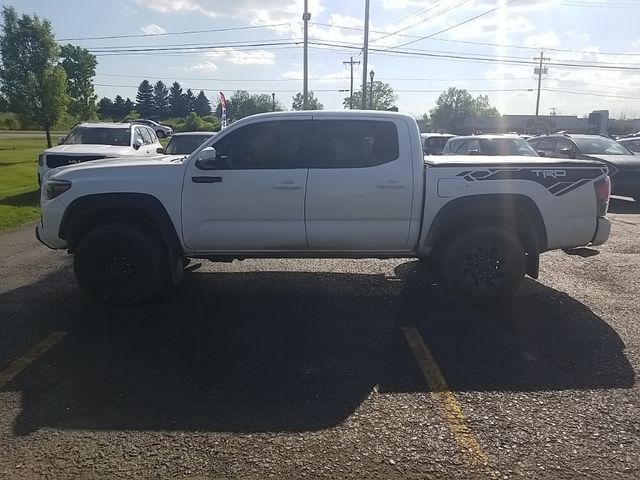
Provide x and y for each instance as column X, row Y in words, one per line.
column 541, row 153
column 136, row 144
column 159, row 150
column 207, row 159
column 569, row 152
column 61, row 140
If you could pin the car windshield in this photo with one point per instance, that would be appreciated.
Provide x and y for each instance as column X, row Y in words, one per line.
column 600, row 146
column 185, row 144
column 506, row 146
column 99, row 136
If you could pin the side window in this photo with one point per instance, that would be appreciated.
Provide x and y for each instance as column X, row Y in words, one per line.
column 547, row 144
column 265, row 145
column 352, row 143
column 534, row 144
column 145, row 135
column 633, row 146
column 152, row 134
column 472, row 145
column 563, row 143
column 457, row 146
column 137, row 136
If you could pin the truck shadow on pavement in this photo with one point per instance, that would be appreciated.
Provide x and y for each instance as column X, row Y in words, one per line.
column 623, row 205
column 293, row 351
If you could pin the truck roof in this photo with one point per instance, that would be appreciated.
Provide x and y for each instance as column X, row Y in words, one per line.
column 104, row 125
column 331, row 113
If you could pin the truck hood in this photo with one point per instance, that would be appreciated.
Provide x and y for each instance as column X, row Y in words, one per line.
column 122, row 162
column 91, row 149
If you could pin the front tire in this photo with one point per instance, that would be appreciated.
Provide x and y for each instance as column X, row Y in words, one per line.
column 484, row 265
column 160, row 134
column 119, row 264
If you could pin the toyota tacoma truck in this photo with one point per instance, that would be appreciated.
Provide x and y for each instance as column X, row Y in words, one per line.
column 348, row 184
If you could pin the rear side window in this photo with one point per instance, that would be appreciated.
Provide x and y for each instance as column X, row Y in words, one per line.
column 457, row 146
column 352, row 143
column 154, row 138
column 145, row 136
column 547, row 144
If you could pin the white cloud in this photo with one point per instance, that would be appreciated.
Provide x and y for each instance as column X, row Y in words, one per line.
column 636, row 43
column 242, row 57
column 207, row 66
column 152, row 29
column 548, row 39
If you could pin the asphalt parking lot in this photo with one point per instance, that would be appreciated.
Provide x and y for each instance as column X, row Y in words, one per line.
column 323, row 369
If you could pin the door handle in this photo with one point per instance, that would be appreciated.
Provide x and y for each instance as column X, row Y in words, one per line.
column 287, row 185
column 206, row 179
column 391, row 184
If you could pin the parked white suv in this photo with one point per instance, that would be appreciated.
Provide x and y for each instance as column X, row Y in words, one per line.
column 95, row 141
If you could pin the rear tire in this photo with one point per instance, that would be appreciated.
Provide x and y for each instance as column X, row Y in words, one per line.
column 119, row 264
column 160, row 134
column 484, row 265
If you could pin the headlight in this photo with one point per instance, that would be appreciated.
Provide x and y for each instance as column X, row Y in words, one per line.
column 53, row 188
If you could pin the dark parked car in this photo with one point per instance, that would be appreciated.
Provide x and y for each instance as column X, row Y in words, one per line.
column 433, row 143
column 161, row 130
column 186, row 143
column 624, row 166
column 631, row 143
column 489, row 145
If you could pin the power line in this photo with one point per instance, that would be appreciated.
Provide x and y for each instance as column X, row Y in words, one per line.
column 574, row 92
column 508, row 2
column 186, row 32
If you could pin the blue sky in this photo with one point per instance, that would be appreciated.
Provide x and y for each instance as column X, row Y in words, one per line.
column 571, row 31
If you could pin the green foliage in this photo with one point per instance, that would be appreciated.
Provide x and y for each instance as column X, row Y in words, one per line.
column 144, row 99
column 80, row 67
column 189, row 100
column 312, row 102
column 8, row 121
column 176, row 101
column 242, row 104
column 383, row 97
column 194, row 123
column 202, row 106
column 454, row 105
column 32, row 81
column 105, row 107
column 119, row 107
column 18, row 182
column 161, row 99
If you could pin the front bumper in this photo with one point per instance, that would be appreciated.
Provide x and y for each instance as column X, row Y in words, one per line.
column 47, row 229
column 603, row 229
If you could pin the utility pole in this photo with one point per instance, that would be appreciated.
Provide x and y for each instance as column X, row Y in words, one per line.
column 539, row 71
column 371, row 73
column 365, row 55
column 306, row 16
column 273, row 102
column 351, row 64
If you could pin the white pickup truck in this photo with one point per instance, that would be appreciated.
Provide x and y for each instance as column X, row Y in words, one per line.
column 320, row 184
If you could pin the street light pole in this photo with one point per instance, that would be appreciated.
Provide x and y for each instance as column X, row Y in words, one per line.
column 371, row 74
column 273, row 102
column 365, row 55
column 305, row 84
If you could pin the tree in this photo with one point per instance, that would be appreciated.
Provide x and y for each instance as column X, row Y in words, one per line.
column 161, row 99
column 144, row 99
column 454, row 105
column 31, row 79
column 119, row 107
column 383, row 97
column 176, row 101
column 106, row 108
column 202, row 106
column 312, row 102
column 242, row 104
column 189, row 100
column 128, row 106
column 4, row 104
column 80, row 66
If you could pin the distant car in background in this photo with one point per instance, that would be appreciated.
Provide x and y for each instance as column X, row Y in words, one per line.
column 95, row 141
column 187, row 142
column 489, row 145
column 162, row 131
column 433, row 143
column 624, row 166
column 631, row 143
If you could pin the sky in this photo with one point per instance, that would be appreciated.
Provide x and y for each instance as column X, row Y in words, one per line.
column 593, row 47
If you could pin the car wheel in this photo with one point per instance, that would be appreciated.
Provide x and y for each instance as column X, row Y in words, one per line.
column 160, row 134
column 119, row 264
column 484, row 265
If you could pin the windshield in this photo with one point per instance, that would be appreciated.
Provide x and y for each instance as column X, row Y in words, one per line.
column 185, row 144
column 506, row 146
column 99, row 136
column 600, row 146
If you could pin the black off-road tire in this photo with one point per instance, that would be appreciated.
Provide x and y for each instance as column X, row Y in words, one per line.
column 160, row 134
column 119, row 264
column 484, row 265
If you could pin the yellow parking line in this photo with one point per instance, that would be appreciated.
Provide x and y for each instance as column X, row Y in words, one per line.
column 27, row 359
column 446, row 400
